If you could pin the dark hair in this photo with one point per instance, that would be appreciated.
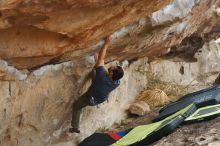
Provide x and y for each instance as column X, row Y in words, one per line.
column 118, row 73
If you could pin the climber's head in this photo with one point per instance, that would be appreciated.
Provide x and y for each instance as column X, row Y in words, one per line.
column 115, row 72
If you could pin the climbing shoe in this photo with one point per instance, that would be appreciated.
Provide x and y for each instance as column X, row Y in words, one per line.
column 74, row 130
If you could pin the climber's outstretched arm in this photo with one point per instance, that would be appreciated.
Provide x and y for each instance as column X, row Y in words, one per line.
column 101, row 56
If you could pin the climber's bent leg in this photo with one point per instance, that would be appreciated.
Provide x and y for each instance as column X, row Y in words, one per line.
column 81, row 102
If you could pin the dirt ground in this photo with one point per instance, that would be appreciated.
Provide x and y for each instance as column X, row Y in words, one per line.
column 197, row 134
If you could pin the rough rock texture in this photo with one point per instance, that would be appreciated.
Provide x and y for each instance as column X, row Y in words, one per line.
column 46, row 48
column 36, row 111
column 190, row 73
column 42, row 30
column 199, row 134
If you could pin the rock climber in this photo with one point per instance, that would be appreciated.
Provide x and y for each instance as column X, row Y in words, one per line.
column 103, row 82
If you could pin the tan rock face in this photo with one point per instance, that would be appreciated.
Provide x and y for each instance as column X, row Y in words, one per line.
column 37, row 111
column 51, row 28
column 39, row 37
column 50, row 32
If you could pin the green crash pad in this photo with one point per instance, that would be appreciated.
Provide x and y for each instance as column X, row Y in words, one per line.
column 147, row 134
column 204, row 113
column 205, row 97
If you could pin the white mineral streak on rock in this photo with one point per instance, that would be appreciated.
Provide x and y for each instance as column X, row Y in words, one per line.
column 90, row 59
column 181, row 27
column 209, row 60
column 216, row 143
column 52, row 69
column 217, row 41
column 122, row 32
column 216, row 9
column 176, row 10
column 169, row 71
column 175, row 29
column 143, row 21
column 4, row 67
column 98, row 45
column 124, row 64
column 116, row 35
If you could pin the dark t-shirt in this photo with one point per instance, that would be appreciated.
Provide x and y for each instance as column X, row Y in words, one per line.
column 101, row 86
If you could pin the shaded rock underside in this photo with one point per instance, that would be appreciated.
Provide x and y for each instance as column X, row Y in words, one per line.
column 35, row 33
